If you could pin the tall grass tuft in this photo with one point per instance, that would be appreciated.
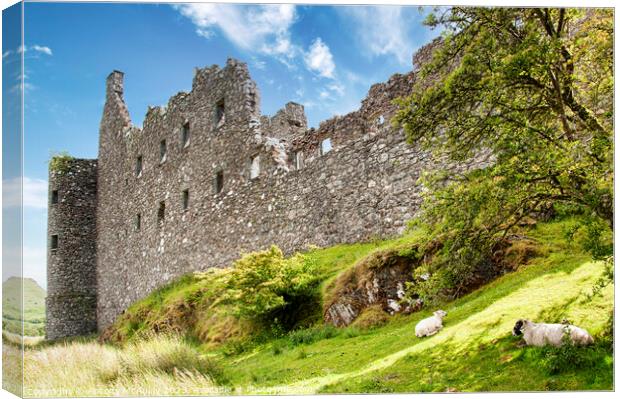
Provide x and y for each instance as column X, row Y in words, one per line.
column 310, row 335
column 161, row 365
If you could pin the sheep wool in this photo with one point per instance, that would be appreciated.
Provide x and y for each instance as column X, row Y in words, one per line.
column 541, row 334
column 431, row 325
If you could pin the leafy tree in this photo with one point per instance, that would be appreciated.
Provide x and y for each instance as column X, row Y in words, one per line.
column 534, row 88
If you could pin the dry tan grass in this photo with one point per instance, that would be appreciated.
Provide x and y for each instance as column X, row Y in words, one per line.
column 12, row 369
column 17, row 339
column 159, row 366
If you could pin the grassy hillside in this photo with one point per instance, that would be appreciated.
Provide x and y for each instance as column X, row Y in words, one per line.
column 34, row 306
column 474, row 352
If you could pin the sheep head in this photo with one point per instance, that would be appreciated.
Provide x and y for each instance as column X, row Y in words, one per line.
column 518, row 328
column 440, row 313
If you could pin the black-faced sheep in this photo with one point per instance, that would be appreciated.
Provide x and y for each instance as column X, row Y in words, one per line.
column 541, row 334
column 430, row 325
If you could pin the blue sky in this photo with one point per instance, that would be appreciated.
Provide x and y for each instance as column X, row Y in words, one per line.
column 321, row 56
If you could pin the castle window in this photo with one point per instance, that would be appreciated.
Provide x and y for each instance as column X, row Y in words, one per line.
column 220, row 113
column 185, row 200
column 139, row 166
column 161, row 212
column 326, row 146
column 255, row 167
column 55, row 197
column 299, row 160
column 138, row 222
column 54, row 242
column 218, row 184
column 163, row 151
column 185, row 134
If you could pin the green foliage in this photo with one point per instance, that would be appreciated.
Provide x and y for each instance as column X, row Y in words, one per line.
column 60, row 162
column 301, row 354
column 512, row 82
column 606, row 337
column 271, row 290
column 310, row 335
column 277, row 348
column 236, row 347
column 595, row 237
column 351, row 332
column 567, row 357
column 372, row 317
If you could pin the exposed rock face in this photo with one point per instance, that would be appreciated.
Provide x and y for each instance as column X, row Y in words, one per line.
column 377, row 280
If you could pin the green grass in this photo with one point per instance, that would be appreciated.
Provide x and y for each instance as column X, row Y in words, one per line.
column 33, row 307
column 474, row 352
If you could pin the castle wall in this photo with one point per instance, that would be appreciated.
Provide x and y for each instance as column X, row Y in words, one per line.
column 71, row 267
column 365, row 187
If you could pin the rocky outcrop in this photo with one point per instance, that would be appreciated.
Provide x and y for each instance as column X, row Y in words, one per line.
column 378, row 279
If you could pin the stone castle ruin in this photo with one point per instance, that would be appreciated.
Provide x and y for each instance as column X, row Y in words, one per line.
column 208, row 177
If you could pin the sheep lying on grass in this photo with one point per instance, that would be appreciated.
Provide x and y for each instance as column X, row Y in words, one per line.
column 541, row 334
column 430, row 325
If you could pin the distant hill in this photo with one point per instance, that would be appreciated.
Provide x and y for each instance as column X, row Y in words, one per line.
column 34, row 306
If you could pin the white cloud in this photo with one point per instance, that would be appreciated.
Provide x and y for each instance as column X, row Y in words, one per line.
column 34, row 193
column 332, row 90
column 259, row 64
column 42, row 49
column 382, row 31
column 319, row 59
column 38, row 48
column 262, row 28
column 26, row 87
column 308, row 104
column 6, row 54
column 336, row 88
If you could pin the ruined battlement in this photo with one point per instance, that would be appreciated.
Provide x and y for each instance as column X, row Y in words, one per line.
column 208, row 177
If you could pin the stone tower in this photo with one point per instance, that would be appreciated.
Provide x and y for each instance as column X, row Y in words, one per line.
column 71, row 301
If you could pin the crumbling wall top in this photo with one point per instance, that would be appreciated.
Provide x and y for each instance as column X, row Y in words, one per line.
column 114, row 83
column 288, row 123
column 425, row 53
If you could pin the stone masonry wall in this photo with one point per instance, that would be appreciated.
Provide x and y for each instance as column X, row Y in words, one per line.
column 71, row 271
column 208, row 177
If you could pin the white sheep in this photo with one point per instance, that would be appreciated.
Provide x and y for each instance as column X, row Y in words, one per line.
column 430, row 325
column 541, row 334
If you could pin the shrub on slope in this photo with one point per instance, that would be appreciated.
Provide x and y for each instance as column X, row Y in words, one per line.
column 258, row 292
